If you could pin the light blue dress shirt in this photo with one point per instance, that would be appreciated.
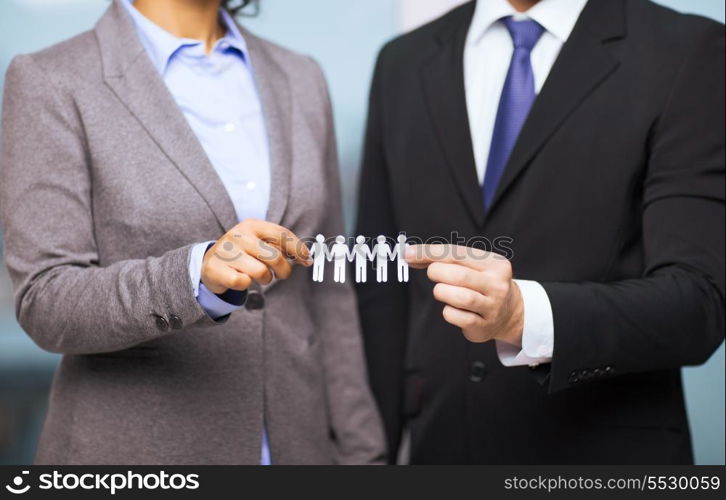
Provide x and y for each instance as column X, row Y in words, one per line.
column 218, row 97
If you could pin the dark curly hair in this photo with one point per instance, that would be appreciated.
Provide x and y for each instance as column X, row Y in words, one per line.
column 237, row 6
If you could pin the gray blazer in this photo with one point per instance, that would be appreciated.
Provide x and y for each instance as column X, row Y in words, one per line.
column 104, row 190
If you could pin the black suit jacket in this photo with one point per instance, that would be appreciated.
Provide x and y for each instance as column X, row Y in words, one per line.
column 614, row 199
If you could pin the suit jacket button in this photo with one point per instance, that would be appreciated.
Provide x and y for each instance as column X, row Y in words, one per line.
column 175, row 322
column 574, row 377
column 478, row 371
column 255, row 301
column 609, row 370
column 162, row 324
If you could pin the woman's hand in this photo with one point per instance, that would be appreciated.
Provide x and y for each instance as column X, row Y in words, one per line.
column 252, row 250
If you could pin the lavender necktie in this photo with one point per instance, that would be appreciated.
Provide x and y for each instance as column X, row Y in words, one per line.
column 515, row 102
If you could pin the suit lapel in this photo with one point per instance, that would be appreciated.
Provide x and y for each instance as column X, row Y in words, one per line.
column 274, row 90
column 583, row 65
column 443, row 79
column 135, row 81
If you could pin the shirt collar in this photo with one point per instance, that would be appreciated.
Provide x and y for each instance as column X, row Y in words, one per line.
column 558, row 17
column 162, row 45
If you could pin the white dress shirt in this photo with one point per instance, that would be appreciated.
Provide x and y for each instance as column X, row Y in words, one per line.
column 487, row 55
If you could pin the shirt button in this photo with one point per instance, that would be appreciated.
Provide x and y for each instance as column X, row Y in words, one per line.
column 251, row 185
column 230, row 127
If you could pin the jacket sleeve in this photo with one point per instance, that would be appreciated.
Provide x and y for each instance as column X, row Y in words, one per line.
column 383, row 307
column 674, row 314
column 64, row 300
column 355, row 420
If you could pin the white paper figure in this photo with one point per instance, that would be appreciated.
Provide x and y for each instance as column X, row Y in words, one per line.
column 400, row 253
column 340, row 256
column 362, row 253
column 382, row 252
column 319, row 253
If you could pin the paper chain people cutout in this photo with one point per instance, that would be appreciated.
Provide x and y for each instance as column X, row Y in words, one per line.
column 339, row 254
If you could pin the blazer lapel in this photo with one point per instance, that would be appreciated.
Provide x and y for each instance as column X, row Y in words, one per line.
column 135, row 81
column 443, row 79
column 583, row 64
column 274, row 90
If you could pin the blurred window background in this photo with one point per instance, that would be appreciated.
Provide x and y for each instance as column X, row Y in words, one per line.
column 344, row 36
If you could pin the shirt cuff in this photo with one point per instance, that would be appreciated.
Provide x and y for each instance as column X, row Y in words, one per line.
column 216, row 306
column 538, row 336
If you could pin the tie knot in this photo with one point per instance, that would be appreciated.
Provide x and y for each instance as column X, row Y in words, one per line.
column 524, row 33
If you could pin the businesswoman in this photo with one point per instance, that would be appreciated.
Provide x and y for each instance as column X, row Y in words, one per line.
column 155, row 172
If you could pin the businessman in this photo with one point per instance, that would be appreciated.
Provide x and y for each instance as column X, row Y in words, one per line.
column 591, row 133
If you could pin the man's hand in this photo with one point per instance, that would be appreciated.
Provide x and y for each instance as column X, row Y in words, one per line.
column 477, row 287
column 252, row 250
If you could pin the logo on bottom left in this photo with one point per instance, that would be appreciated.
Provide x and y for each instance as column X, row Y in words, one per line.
column 17, row 487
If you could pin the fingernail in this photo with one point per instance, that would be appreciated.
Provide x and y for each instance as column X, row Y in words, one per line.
column 410, row 252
